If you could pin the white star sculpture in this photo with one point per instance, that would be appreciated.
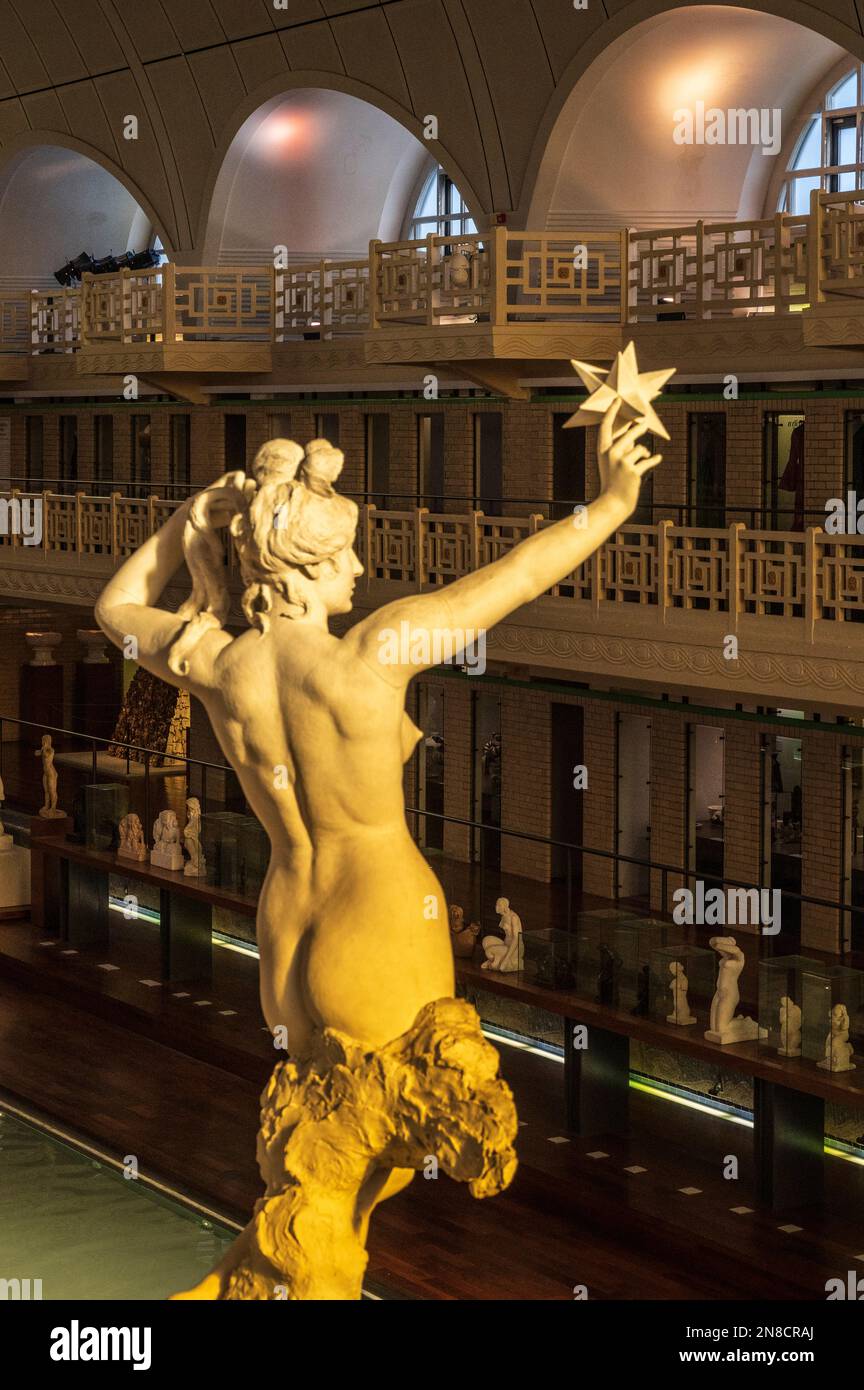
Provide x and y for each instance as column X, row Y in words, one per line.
column 634, row 390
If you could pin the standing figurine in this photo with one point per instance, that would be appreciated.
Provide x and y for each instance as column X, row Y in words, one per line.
column 196, row 865
column 838, row 1049
column 504, row 956
column 678, row 986
column 49, row 810
column 383, row 1066
column 790, row 1028
column 724, row 1026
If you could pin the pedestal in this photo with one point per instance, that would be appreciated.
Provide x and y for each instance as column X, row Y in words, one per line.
column 187, row 937
column 597, row 1081
column 788, row 1139
column 46, row 888
column 14, row 882
column 87, row 910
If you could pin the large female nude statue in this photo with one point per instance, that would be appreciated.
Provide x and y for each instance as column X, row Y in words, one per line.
column 355, row 958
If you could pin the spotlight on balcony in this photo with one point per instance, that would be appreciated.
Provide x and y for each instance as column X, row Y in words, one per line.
column 144, row 260
column 71, row 272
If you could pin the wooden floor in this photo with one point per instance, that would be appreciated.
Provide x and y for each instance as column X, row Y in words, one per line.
column 612, row 1215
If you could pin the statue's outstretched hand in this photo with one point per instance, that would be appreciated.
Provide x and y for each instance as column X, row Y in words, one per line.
column 621, row 461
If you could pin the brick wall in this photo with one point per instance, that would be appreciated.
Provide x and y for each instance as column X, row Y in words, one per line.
column 527, row 442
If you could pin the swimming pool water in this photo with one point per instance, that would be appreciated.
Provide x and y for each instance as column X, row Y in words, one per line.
column 87, row 1232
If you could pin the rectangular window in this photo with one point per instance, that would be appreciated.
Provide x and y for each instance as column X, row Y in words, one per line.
column 706, row 469
column 706, row 794
column 35, row 469
column 783, row 472
column 327, row 427
column 568, row 466
column 180, row 455
column 488, row 462
column 235, row 442
column 140, row 476
column 279, row 426
column 103, row 452
column 430, row 461
column 378, row 459
column 68, row 451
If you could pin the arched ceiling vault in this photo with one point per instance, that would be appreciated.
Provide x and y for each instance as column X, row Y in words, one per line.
column 496, row 74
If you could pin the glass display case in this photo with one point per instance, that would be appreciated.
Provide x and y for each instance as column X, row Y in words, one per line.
column 781, row 1001
column 253, row 846
column 633, row 943
column 220, row 841
column 682, row 982
column 105, row 805
column 549, row 958
column 832, row 1016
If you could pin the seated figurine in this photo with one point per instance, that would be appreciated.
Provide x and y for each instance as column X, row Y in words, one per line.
column 463, row 938
column 166, row 852
column 131, row 833
column 504, row 955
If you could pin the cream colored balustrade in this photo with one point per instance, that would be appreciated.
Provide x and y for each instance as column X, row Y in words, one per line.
column 450, row 546
column 234, row 303
column 629, row 569
column 14, row 323
column 695, row 567
column 55, row 320
column 720, row 269
column 390, row 549
column 324, row 299
column 772, row 572
column 781, row 574
column 839, row 578
column 544, row 277
column 432, row 281
column 838, row 234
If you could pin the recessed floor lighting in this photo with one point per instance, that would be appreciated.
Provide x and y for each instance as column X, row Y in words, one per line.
column 742, row 1211
column 107, row 967
column 151, row 984
column 68, row 953
column 47, row 943
column 228, row 1013
column 690, row 1191
column 635, row 1168
column 558, row 1139
column 180, row 994
column 596, row 1153
column 202, row 1003
column 790, row 1230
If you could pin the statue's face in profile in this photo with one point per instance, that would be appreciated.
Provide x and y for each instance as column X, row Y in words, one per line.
column 335, row 581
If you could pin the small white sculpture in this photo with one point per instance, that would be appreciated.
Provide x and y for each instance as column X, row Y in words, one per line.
column 49, row 780
column 838, row 1049
column 678, row 987
column 504, row 956
column 196, row 865
column 724, row 1027
column 132, row 844
column 166, row 852
column 790, row 1028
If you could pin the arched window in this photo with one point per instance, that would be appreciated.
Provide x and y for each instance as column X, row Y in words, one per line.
column 441, row 209
column 828, row 154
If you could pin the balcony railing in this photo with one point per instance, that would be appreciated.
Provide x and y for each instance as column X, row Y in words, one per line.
column 775, row 265
column 732, row 570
